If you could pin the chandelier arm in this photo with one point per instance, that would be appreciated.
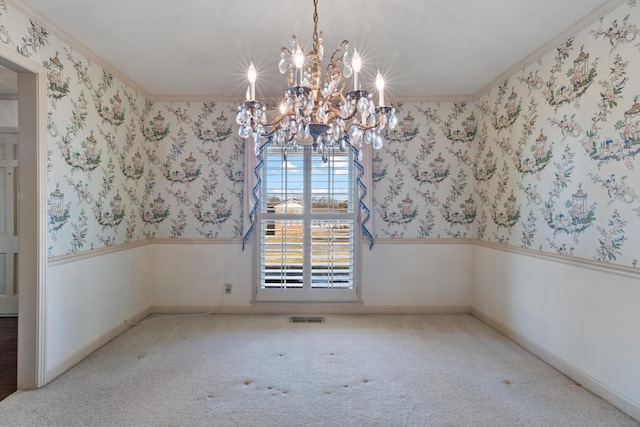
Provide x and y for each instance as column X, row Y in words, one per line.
column 278, row 120
column 337, row 94
column 345, row 119
column 275, row 127
column 334, row 114
column 270, row 134
column 367, row 127
column 276, row 124
column 333, row 68
column 338, row 50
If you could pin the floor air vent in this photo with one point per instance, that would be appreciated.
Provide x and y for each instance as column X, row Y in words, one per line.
column 307, row 319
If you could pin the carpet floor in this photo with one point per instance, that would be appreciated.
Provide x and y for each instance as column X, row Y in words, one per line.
column 351, row 370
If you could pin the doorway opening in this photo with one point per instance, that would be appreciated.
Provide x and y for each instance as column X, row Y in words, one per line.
column 23, row 215
column 9, row 243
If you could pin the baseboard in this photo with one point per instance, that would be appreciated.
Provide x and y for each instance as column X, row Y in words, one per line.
column 79, row 355
column 310, row 308
column 585, row 380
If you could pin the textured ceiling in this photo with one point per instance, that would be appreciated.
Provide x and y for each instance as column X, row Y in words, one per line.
column 423, row 48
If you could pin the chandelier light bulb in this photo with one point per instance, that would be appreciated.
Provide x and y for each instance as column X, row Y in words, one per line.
column 298, row 58
column 356, row 61
column 380, row 86
column 298, row 61
column 252, row 75
column 356, row 64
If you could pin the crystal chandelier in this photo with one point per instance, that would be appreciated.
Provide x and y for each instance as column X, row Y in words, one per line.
column 316, row 111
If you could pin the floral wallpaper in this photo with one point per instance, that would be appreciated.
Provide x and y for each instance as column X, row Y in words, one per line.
column 93, row 136
column 565, row 133
column 424, row 175
column 121, row 168
column 547, row 159
column 195, row 171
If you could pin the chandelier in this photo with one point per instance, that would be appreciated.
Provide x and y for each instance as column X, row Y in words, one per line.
column 315, row 110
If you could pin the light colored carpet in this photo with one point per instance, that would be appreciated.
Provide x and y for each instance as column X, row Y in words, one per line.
column 360, row 370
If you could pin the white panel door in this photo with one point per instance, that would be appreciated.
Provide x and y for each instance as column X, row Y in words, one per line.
column 8, row 226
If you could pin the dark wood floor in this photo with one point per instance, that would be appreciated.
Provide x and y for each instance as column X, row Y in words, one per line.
column 8, row 355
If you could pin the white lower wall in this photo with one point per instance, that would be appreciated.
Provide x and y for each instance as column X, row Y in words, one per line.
column 417, row 274
column 396, row 277
column 88, row 300
column 583, row 317
column 194, row 274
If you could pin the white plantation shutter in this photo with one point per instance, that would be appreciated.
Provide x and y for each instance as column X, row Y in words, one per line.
column 332, row 254
column 307, row 226
column 282, row 248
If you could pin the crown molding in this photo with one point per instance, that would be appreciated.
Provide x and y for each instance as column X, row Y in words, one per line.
column 550, row 45
column 194, row 98
column 238, row 99
column 433, row 99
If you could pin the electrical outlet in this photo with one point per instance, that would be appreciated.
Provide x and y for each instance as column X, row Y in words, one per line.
column 227, row 288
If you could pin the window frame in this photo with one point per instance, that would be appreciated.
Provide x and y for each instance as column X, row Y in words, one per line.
column 307, row 292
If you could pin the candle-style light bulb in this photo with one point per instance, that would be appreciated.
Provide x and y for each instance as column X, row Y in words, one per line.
column 252, row 75
column 298, row 58
column 298, row 61
column 380, row 86
column 356, row 64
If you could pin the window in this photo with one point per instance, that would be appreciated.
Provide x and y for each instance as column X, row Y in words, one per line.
column 307, row 223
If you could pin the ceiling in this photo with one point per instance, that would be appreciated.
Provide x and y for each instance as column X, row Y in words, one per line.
column 424, row 48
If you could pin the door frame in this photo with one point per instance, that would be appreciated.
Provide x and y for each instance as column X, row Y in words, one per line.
column 32, row 205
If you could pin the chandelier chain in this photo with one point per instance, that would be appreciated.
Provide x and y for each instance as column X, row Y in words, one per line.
column 316, row 41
